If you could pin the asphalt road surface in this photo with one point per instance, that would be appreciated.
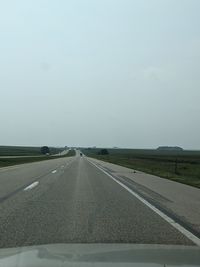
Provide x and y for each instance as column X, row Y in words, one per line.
column 70, row 200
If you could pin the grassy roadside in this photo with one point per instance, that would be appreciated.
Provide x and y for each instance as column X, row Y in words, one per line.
column 5, row 162
column 180, row 166
column 25, row 151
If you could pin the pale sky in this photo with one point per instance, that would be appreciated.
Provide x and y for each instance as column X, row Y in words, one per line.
column 100, row 73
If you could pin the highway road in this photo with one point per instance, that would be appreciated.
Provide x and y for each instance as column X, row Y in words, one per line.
column 73, row 200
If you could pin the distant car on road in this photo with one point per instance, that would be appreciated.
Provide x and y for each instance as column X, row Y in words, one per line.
column 81, row 154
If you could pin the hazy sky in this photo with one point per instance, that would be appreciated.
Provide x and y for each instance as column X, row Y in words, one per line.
column 106, row 73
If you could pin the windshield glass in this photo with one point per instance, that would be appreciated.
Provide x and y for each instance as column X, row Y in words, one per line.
column 99, row 122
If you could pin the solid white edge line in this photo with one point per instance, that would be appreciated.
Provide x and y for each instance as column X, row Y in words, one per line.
column 176, row 225
column 31, row 186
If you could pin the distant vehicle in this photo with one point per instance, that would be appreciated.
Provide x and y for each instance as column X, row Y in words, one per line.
column 81, row 154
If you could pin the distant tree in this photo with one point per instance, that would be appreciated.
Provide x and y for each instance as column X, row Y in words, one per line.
column 103, row 152
column 170, row 148
column 45, row 150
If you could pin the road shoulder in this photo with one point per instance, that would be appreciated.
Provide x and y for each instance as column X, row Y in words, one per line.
column 182, row 201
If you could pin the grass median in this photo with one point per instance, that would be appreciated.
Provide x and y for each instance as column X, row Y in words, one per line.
column 25, row 151
column 179, row 166
column 5, row 162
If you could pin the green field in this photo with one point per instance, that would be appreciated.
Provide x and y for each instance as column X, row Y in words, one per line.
column 25, row 151
column 4, row 162
column 180, row 166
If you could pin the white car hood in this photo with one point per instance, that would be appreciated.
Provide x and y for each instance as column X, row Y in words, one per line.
column 100, row 255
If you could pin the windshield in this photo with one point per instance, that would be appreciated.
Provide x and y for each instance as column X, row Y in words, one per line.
column 99, row 122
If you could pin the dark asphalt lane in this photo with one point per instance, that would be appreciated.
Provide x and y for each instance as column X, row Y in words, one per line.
column 15, row 177
column 78, row 203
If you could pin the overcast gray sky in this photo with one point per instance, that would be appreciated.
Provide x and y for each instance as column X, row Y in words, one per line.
column 106, row 73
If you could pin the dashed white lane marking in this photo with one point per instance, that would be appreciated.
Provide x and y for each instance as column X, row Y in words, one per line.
column 31, row 186
column 54, row 171
column 176, row 225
